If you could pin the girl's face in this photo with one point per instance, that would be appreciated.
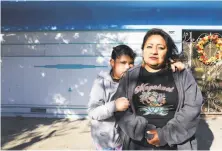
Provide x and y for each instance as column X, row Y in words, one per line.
column 154, row 51
column 121, row 65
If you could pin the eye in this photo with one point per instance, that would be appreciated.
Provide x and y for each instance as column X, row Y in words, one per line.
column 149, row 47
column 161, row 48
column 124, row 62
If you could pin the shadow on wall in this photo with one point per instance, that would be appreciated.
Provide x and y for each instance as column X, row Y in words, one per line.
column 204, row 135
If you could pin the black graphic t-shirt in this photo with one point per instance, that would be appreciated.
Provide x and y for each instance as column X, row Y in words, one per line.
column 155, row 98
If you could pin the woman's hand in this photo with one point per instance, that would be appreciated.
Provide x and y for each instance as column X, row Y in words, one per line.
column 177, row 65
column 155, row 140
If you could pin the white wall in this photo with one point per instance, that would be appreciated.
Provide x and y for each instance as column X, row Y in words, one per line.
column 27, row 83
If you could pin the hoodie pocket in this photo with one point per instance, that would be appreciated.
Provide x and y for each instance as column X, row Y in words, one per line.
column 111, row 134
column 106, row 131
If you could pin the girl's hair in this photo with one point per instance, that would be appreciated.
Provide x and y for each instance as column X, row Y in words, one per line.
column 121, row 50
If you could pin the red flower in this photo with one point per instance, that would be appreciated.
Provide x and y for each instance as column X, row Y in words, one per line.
column 203, row 57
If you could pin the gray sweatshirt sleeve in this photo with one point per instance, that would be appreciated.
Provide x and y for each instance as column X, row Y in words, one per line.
column 131, row 124
column 183, row 126
column 98, row 109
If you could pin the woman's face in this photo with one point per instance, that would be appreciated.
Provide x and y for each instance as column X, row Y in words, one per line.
column 154, row 51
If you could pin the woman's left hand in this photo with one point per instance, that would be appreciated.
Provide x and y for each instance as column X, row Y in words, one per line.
column 155, row 140
column 177, row 66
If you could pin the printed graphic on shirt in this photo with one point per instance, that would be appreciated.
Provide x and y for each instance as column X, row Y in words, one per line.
column 154, row 102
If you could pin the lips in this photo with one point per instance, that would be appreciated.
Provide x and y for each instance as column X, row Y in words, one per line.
column 153, row 58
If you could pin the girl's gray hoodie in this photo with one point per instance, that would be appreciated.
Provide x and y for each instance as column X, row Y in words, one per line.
column 101, row 108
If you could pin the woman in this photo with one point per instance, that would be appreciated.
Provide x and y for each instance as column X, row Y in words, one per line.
column 164, row 106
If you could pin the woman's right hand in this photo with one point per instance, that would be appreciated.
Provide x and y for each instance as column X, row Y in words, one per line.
column 122, row 104
column 155, row 139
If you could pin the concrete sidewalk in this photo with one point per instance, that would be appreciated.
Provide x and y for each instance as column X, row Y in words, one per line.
column 56, row 134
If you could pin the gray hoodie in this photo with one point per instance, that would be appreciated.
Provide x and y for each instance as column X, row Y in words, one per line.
column 180, row 130
column 101, row 108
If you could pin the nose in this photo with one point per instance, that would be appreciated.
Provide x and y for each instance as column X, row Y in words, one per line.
column 154, row 51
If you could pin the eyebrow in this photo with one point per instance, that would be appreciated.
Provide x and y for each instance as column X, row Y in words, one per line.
column 152, row 44
column 126, row 61
column 157, row 44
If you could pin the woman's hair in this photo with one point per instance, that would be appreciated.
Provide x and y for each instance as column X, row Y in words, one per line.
column 172, row 50
column 121, row 50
